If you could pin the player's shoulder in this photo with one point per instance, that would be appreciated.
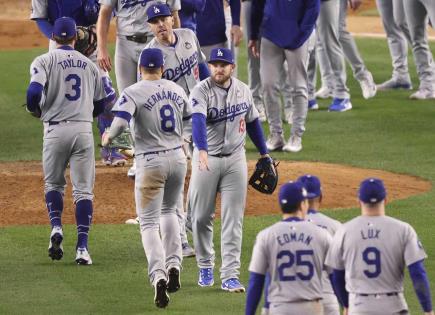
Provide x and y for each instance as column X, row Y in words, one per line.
column 240, row 84
column 185, row 32
column 328, row 219
column 173, row 86
column 204, row 86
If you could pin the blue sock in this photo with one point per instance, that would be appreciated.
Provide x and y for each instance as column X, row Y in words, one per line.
column 83, row 219
column 54, row 202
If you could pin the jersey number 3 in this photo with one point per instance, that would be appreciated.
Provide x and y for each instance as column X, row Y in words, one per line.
column 301, row 258
column 75, row 92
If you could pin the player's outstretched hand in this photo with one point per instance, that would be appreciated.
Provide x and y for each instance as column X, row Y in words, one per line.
column 203, row 161
column 253, row 46
column 103, row 59
column 236, row 35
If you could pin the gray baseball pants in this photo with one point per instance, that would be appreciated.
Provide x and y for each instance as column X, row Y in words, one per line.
column 417, row 14
column 377, row 305
column 300, row 308
column 272, row 59
column 396, row 28
column 330, row 304
column 229, row 176
column 158, row 184
column 73, row 143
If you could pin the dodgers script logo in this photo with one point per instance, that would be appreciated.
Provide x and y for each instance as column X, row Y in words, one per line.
column 125, row 4
column 185, row 68
column 229, row 112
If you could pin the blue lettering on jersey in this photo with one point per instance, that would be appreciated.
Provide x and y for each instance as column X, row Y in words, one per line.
column 71, row 63
column 370, row 234
column 125, row 4
column 186, row 66
column 294, row 237
column 229, row 112
column 163, row 96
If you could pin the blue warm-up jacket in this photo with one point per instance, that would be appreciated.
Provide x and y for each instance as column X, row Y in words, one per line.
column 286, row 23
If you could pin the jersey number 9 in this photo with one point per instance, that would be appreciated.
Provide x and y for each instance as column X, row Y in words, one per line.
column 301, row 258
column 372, row 257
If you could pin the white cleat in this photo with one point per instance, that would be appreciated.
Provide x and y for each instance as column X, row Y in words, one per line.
column 55, row 248
column 275, row 142
column 83, row 257
column 423, row 94
column 131, row 173
column 132, row 221
column 323, row 92
column 368, row 87
column 294, row 144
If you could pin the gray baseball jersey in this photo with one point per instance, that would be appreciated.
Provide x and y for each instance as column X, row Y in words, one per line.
column 293, row 253
column 374, row 250
column 182, row 59
column 131, row 14
column 160, row 106
column 227, row 114
column 72, row 82
column 331, row 226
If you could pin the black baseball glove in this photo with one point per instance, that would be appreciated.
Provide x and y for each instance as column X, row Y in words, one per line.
column 86, row 40
column 265, row 177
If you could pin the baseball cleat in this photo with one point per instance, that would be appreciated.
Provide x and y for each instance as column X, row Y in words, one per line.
column 294, row 144
column 323, row 92
column 55, row 248
column 161, row 297
column 132, row 221
column 233, row 285
column 423, row 94
column 188, row 251
column 275, row 142
column 206, row 278
column 83, row 257
column 132, row 171
column 395, row 84
column 368, row 87
column 340, row 105
column 174, row 282
column 111, row 157
column 312, row 105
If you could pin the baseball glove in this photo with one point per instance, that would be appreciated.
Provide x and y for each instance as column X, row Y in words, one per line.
column 86, row 40
column 265, row 177
column 123, row 143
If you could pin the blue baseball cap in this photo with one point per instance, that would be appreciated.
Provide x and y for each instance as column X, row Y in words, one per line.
column 221, row 54
column 372, row 190
column 158, row 9
column 151, row 58
column 312, row 185
column 64, row 27
column 291, row 193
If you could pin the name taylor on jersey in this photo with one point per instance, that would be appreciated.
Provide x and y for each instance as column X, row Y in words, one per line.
column 72, row 63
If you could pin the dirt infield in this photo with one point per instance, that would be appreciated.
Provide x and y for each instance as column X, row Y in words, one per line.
column 22, row 195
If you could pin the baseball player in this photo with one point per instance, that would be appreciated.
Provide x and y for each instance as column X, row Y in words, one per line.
column 189, row 12
column 299, row 17
column 66, row 91
column 292, row 252
column 223, row 112
column 417, row 14
column 85, row 13
column 394, row 21
column 368, row 255
column 161, row 111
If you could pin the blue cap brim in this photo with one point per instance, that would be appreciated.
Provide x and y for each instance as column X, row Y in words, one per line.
column 220, row 60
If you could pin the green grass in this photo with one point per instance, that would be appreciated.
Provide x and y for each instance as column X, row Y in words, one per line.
column 389, row 132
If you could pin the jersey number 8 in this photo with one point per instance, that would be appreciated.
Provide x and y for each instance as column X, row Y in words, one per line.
column 301, row 258
column 167, row 121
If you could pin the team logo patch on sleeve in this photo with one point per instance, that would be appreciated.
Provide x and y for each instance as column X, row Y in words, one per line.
column 194, row 102
column 187, row 45
column 122, row 100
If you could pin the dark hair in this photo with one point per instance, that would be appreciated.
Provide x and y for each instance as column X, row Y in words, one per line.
column 286, row 208
column 64, row 41
column 150, row 70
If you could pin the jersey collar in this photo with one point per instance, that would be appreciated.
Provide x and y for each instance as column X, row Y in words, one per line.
column 292, row 219
column 176, row 41
column 66, row 47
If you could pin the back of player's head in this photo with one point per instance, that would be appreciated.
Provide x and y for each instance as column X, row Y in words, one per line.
column 312, row 185
column 157, row 10
column 64, row 30
column 291, row 195
column 372, row 191
column 151, row 58
column 221, row 55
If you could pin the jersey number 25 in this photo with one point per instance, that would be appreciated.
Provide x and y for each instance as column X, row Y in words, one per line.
column 298, row 259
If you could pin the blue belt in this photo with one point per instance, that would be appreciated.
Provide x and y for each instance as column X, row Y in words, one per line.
column 161, row 151
column 379, row 294
column 52, row 123
column 221, row 155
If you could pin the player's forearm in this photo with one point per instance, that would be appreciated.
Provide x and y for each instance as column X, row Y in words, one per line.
column 119, row 124
column 421, row 285
column 177, row 22
column 255, row 132
column 34, row 94
column 255, row 287
column 235, row 12
column 199, row 131
column 103, row 25
column 45, row 27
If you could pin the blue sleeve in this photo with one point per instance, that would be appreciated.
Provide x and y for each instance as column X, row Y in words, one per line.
column 34, row 94
column 124, row 115
column 255, row 287
column 235, row 11
column 199, row 131
column 99, row 107
column 255, row 132
column 203, row 71
column 309, row 19
column 257, row 12
column 193, row 5
column 266, row 291
column 338, row 282
column 421, row 284
column 45, row 27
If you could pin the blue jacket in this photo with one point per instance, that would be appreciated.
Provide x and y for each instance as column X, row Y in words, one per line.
column 189, row 10
column 211, row 23
column 286, row 23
